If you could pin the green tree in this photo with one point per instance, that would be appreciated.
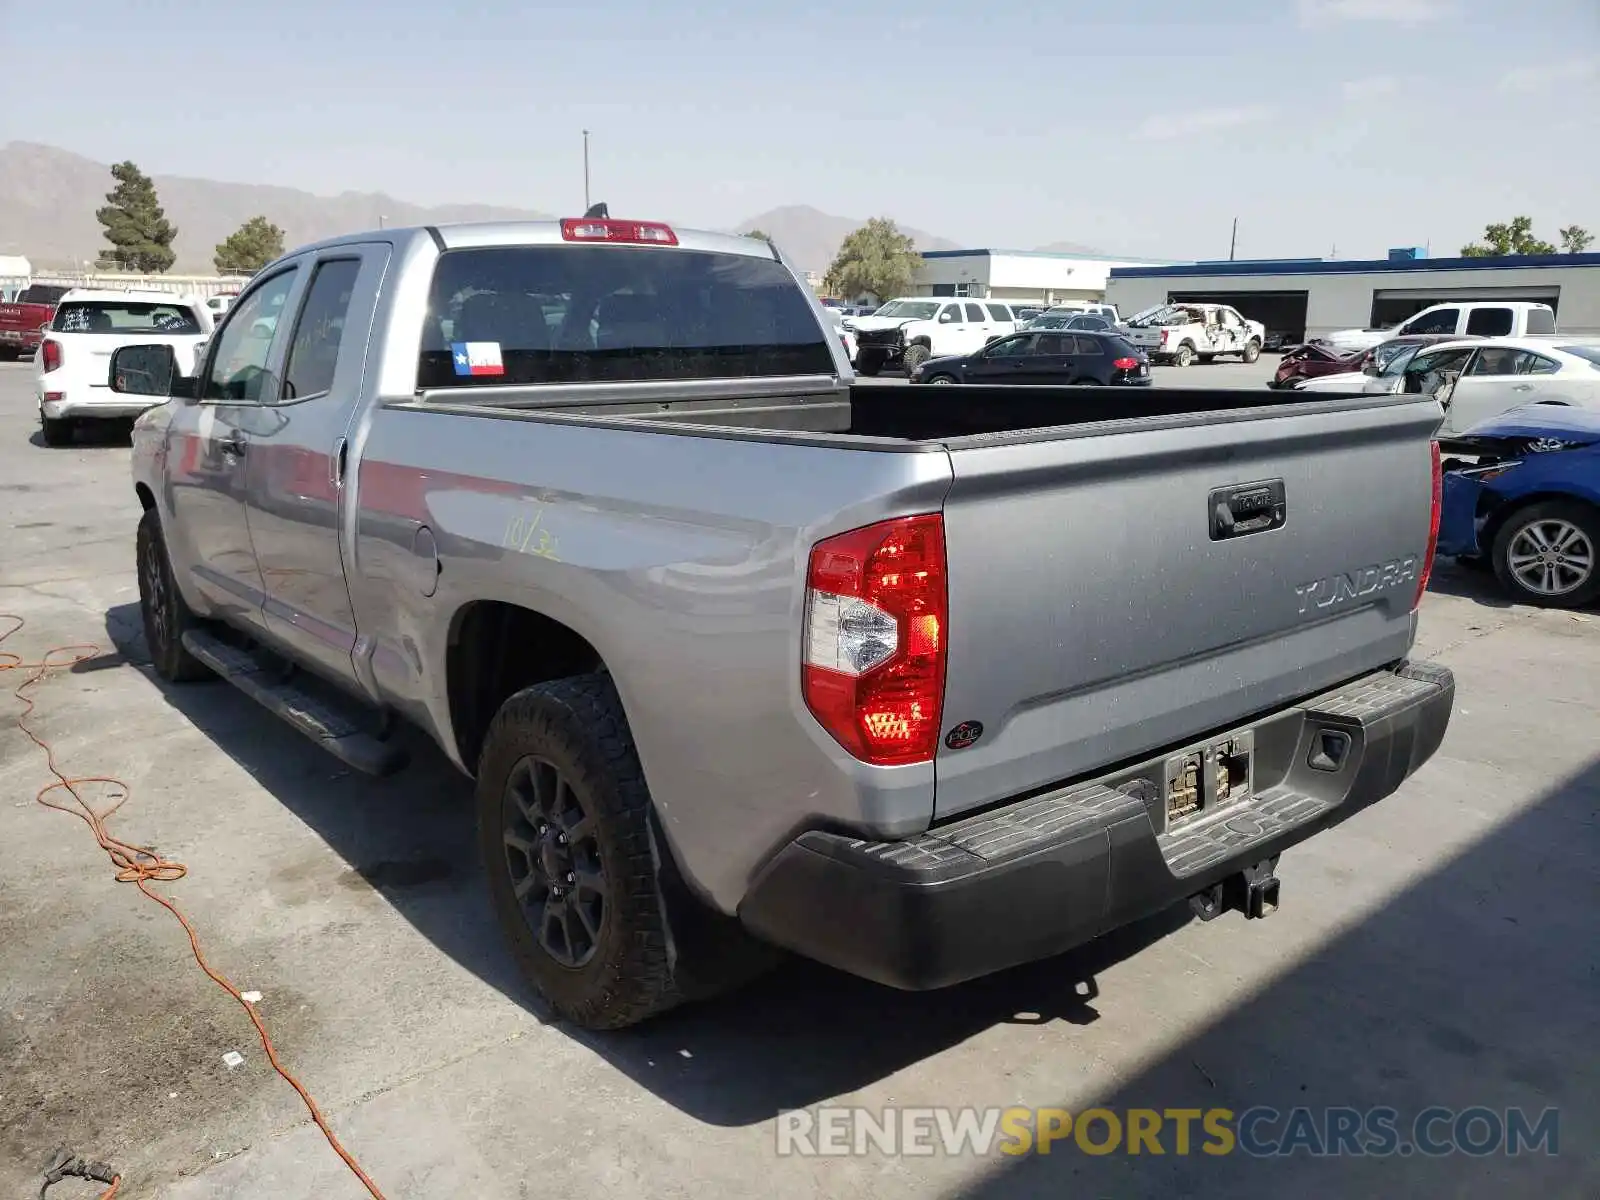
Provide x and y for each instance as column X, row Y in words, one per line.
column 1515, row 237
column 758, row 233
column 876, row 258
column 249, row 248
column 140, row 235
column 1575, row 239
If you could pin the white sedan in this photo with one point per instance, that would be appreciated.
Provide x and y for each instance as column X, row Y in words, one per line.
column 1484, row 377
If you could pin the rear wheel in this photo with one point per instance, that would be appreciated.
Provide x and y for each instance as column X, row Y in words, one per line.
column 942, row 379
column 1546, row 553
column 1252, row 351
column 915, row 356
column 55, row 431
column 1185, row 355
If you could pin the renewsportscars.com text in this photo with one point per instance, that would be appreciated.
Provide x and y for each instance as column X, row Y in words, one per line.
column 1260, row 1131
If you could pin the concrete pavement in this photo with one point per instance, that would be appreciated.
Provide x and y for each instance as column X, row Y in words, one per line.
column 1436, row 949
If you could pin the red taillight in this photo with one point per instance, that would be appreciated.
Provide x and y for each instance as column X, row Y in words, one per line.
column 1125, row 364
column 1426, row 569
column 50, row 354
column 604, row 229
column 877, row 614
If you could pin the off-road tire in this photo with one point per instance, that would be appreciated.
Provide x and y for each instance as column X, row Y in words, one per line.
column 914, row 357
column 1184, row 356
column 868, row 364
column 578, row 726
column 163, row 612
column 1582, row 516
column 1252, row 351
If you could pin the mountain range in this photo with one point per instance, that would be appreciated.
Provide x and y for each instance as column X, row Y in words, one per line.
column 48, row 198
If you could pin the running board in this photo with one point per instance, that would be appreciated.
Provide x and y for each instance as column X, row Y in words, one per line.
column 316, row 717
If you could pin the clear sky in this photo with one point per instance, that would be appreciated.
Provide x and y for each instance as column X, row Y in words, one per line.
column 1139, row 128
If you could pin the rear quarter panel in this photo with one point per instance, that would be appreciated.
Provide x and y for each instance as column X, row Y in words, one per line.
column 681, row 559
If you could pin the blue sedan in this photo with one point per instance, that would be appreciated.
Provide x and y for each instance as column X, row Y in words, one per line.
column 1528, row 502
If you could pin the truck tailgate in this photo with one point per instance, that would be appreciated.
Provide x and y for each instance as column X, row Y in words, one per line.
column 1100, row 606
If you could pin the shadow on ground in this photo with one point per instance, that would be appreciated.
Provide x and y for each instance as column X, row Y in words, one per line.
column 1472, row 987
column 90, row 435
column 733, row 1061
column 1477, row 985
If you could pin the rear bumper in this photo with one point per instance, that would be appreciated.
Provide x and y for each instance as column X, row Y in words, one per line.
column 1044, row 874
column 77, row 406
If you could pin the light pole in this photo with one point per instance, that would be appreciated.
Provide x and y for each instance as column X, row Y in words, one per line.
column 585, row 170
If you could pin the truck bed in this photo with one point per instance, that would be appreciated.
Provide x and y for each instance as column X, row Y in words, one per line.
column 886, row 414
column 1096, row 611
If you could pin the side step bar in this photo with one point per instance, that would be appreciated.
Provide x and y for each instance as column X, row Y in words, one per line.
column 312, row 715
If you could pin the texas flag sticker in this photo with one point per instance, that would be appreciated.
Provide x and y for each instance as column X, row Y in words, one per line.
column 477, row 358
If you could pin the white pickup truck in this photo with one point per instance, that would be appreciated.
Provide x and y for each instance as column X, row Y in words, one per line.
column 1500, row 318
column 1181, row 333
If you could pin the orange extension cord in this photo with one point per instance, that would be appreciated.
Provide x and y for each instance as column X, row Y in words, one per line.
column 138, row 865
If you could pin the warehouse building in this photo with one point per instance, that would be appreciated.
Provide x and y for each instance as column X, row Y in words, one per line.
column 1032, row 276
column 1312, row 297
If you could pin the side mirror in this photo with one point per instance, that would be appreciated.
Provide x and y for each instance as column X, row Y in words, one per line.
column 144, row 371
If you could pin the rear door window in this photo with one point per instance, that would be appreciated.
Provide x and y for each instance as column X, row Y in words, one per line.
column 1089, row 345
column 314, row 350
column 124, row 317
column 1489, row 322
column 975, row 314
column 524, row 315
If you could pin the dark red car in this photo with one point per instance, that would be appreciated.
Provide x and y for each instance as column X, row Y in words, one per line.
column 1314, row 359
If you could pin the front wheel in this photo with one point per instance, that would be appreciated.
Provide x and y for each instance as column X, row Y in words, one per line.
column 1252, row 351
column 161, row 605
column 868, row 364
column 1185, row 355
column 1546, row 554
column 915, row 356
column 564, row 830
column 942, row 379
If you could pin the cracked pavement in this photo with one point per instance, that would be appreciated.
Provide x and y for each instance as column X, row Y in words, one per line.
column 1436, row 949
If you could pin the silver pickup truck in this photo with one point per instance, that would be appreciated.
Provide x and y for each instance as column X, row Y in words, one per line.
column 921, row 683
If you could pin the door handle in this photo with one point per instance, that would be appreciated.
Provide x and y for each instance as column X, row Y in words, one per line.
column 233, row 445
column 1522, row 387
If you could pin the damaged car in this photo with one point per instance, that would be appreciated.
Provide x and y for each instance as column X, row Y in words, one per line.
column 1521, row 495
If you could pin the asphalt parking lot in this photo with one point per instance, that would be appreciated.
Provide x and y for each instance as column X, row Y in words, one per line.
column 1436, row 950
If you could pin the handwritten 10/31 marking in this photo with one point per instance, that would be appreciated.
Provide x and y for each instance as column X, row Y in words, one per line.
column 527, row 535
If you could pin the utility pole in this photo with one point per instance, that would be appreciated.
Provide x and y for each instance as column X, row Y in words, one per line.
column 381, row 219
column 586, row 170
column 1233, row 242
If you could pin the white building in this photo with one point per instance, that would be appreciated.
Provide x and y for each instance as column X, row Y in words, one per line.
column 1029, row 275
column 1308, row 298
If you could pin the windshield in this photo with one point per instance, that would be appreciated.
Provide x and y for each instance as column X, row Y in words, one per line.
column 1590, row 354
column 1392, row 360
column 920, row 310
column 124, row 316
column 1050, row 321
column 40, row 293
column 1162, row 314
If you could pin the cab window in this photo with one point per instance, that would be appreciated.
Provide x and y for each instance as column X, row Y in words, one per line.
column 1489, row 322
column 238, row 370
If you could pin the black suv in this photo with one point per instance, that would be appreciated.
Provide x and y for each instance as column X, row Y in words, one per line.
column 1035, row 356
